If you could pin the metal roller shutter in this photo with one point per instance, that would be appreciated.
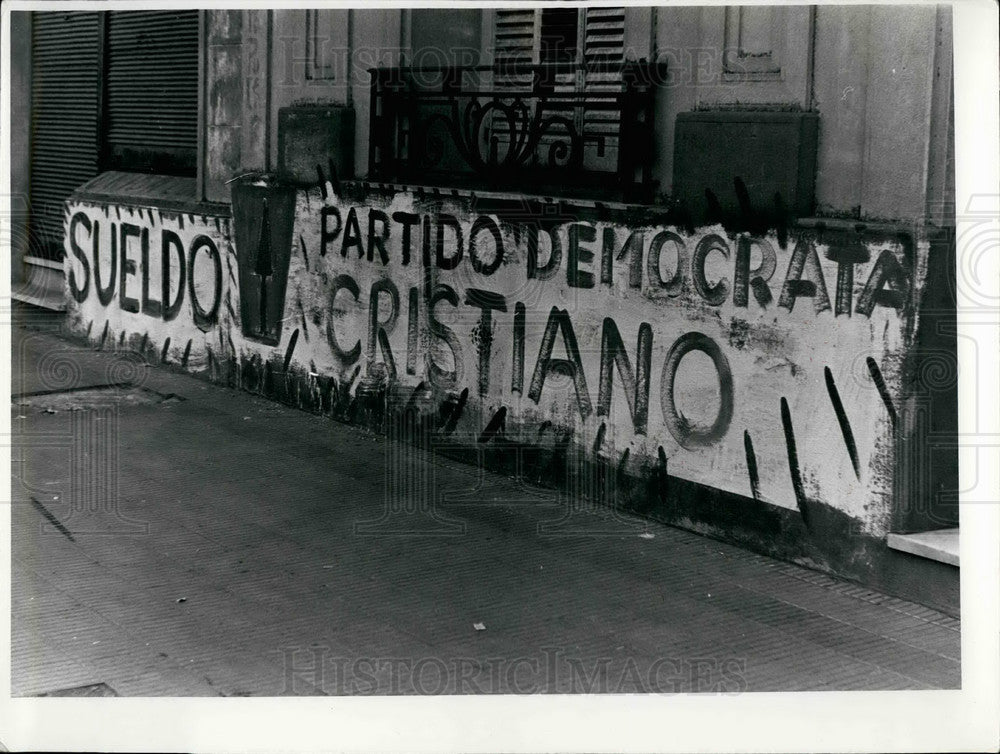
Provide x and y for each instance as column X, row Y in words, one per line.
column 152, row 91
column 64, row 117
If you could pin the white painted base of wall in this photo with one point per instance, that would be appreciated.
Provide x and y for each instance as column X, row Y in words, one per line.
column 941, row 545
column 44, row 285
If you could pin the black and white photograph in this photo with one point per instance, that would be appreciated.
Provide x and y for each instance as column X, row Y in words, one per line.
column 501, row 376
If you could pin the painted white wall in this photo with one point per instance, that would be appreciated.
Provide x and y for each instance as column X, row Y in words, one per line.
column 878, row 75
column 774, row 353
column 872, row 72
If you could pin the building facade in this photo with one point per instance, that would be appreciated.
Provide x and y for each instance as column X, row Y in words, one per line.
column 694, row 262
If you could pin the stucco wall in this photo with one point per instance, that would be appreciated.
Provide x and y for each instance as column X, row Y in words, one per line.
column 764, row 374
column 224, row 73
column 138, row 277
column 875, row 77
column 768, row 367
column 876, row 73
column 873, row 73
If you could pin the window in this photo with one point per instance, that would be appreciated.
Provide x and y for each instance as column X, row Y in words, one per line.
column 555, row 108
column 558, row 35
column 593, row 38
column 110, row 91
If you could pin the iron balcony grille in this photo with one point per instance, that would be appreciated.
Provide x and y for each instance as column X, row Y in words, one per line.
column 571, row 129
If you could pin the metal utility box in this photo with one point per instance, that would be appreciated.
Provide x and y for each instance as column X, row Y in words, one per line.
column 311, row 135
column 772, row 152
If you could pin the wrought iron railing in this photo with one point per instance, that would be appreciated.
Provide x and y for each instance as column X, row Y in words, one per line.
column 562, row 128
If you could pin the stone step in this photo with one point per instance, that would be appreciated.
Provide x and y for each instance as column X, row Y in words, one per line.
column 941, row 545
column 44, row 284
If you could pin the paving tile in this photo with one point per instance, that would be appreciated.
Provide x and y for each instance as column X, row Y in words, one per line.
column 255, row 524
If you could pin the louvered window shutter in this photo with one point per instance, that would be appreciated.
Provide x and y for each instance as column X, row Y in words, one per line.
column 64, row 116
column 516, row 35
column 603, row 46
column 604, row 38
column 152, row 91
column 515, row 39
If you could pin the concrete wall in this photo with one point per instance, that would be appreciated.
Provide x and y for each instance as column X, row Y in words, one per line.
column 764, row 380
column 879, row 76
column 224, row 72
column 872, row 73
column 874, row 77
column 768, row 369
column 261, row 61
column 138, row 277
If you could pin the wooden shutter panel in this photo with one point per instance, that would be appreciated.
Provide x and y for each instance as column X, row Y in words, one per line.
column 152, row 90
column 517, row 35
column 64, row 116
column 604, row 37
column 603, row 45
column 514, row 34
column 515, row 38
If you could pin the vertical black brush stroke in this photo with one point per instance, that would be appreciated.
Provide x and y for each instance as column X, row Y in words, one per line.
column 793, row 460
column 713, row 212
column 411, row 403
column 517, row 366
column 599, row 440
column 322, row 179
column 290, row 349
column 660, row 475
column 496, row 426
column 166, row 349
column 751, row 465
column 334, row 178
column 845, row 424
column 883, row 390
column 187, row 353
column 456, row 412
column 305, row 254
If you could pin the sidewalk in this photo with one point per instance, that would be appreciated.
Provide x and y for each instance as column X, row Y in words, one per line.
column 178, row 538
